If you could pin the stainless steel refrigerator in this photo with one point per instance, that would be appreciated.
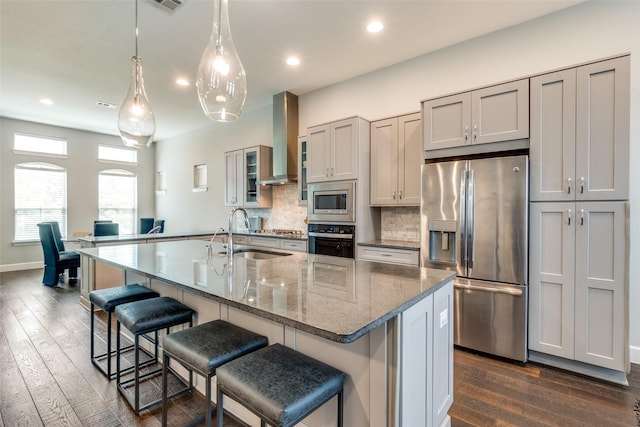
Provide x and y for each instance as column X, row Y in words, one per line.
column 474, row 221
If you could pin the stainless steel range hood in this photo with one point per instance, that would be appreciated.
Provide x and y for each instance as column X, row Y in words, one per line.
column 285, row 139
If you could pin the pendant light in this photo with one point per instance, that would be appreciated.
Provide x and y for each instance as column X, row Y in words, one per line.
column 136, row 121
column 221, row 81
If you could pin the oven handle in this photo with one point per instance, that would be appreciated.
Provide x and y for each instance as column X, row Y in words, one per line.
column 331, row 235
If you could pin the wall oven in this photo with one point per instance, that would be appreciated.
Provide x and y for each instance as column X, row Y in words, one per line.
column 334, row 240
column 332, row 202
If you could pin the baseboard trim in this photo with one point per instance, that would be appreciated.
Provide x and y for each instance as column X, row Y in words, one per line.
column 634, row 354
column 21, row 266
column 580, row 368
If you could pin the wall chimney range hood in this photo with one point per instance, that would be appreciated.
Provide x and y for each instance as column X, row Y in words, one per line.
column 285, row 139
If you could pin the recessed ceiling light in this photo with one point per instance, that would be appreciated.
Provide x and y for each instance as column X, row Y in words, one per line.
column 46, row 101
column 182, row 82
column 293, row 61
column 106, row 105
column 375, row 27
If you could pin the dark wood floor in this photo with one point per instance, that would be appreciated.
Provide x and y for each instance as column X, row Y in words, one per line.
column 46, row 377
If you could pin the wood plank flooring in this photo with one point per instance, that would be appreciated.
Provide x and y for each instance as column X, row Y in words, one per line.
column 47, row 379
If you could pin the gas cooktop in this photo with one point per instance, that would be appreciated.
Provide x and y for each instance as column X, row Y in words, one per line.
column 280, row 232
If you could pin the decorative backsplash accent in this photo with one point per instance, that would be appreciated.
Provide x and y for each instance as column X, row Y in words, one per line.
column 287, row 213
column 400, row 223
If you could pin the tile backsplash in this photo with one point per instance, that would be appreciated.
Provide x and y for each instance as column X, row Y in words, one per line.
column 285, row 212
column 400, row 223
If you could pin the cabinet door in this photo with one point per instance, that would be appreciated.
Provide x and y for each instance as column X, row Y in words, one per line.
column 601, row 314
column 446, row 121
column 602, row 130
column 442, row 353
column 409, row 159
column 384, row 162
column 553, row 136
column 344, row 150
column 551, row 278
column 234, row 178
column 257, row 165
column 416, row 364
column 302, row 170
column 318, row 146
column 500, row 113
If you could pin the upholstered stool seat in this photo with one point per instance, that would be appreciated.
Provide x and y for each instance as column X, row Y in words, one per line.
column 140, row 318
column 279, row 385
column 107, row 300
column 202, row 349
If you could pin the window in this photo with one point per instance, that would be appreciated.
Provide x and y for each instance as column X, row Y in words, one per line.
column 118, row 198
column 39, row 144
column 40, row 194
column 107, row 152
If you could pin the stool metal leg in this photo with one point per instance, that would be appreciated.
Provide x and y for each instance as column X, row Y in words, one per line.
column 220, row 407
column 340, row 407
column 207, row 406
column 165, row 401
column 92, row 330
column 137, row 374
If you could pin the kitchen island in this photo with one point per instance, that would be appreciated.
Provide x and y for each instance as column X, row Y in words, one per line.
column 387, row 326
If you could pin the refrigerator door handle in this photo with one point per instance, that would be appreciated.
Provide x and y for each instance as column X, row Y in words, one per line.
column 506, row 290
column 464, row 254
column 471, row 222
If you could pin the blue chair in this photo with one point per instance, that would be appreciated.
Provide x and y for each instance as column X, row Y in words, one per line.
column 106, row 229
column 159, row 223
column 55, row 262
column 146, row 224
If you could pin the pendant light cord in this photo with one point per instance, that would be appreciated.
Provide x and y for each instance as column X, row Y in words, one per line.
column 136, row 28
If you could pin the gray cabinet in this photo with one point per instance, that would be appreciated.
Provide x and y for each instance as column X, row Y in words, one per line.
column 243, row 170
column 427, row 330
column 493, row 114
column 577, row 265
column 396, row 150
column 302, row 170
column 580, row 133
column 332, row 150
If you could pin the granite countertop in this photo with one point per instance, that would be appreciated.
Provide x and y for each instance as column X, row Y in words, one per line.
column 392, row 244
column 184, row 235
column 339, row 299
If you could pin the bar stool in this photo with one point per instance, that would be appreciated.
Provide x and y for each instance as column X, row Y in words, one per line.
column 280, row 385
column 107, row 300
column 141, row 318
column 202, row 349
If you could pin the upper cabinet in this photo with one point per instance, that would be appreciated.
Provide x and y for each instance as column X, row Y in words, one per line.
column 243, row 169
column 332, row 150
column 580, row 133
column 396, row 153
column 492, row 114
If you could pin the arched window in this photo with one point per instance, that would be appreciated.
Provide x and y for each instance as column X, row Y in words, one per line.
column 118, row 198
column 40, row 194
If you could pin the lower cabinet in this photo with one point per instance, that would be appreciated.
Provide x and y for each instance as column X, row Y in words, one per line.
column 389, row 255
column 272, row 242
column 577, row 282
column 427, row 329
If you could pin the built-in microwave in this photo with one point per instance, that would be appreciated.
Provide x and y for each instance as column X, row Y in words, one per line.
column 332, row 202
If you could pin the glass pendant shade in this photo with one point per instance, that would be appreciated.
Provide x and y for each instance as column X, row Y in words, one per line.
column 221, row 81
column 136, row 121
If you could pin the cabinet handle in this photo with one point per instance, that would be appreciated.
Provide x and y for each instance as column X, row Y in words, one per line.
column 581, row 216
column 569, row 217
column 475, row 132
column 385, row 254
column 466, row 133
column 582, row 185
column 400, row 195
column 331, row 171
column 394, row 194
column 569, row 183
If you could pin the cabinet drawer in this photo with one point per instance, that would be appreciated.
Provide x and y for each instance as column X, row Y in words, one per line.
column 243, row 240
column 267, row 242
column 393, row 256
column 294, row 245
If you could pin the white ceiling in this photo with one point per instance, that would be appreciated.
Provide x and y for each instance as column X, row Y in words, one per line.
column 77, row 52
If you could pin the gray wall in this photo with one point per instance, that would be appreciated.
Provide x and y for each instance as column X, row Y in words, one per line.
column 583, row 33
column 82, row 184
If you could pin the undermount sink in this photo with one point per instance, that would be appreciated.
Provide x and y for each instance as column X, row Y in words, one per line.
column 257, row 254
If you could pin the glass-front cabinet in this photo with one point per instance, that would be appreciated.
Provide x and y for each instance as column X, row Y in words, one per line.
column 302, row 170
column 245, row 168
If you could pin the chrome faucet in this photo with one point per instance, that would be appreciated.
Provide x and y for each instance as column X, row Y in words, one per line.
column 230, row 239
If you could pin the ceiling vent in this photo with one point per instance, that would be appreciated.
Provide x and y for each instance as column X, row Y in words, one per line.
column 169, row 5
